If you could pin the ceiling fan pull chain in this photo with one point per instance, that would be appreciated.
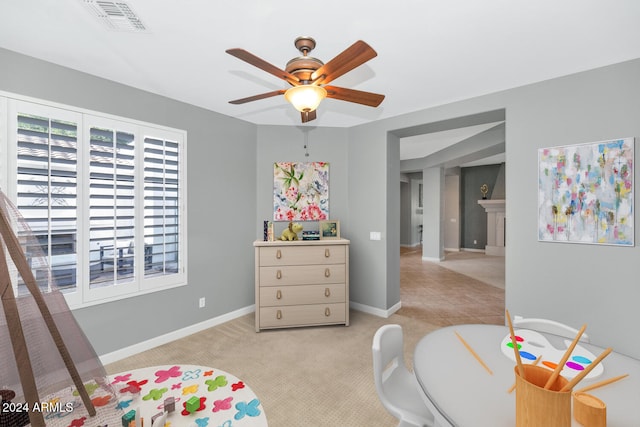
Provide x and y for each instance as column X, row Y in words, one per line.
column 306, row 143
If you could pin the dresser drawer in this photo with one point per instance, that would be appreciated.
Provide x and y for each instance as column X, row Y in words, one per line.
column 303, row 255
column 303, row 294
column 302, row 275
column 302, row 315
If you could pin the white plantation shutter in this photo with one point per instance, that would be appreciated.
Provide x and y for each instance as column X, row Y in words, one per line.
column 111, row 205
column 47, row 183
column 161, row 206
column 104, row 196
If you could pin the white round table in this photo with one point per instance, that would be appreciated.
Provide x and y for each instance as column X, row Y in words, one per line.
column 456, row 386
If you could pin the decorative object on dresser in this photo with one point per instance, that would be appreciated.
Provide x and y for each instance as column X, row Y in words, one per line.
column 301, row 283
column 291, row 232
column 329, row 229
column 311, row 235
column 267, row 225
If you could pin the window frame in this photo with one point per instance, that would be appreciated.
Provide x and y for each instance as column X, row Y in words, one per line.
column 84, row 296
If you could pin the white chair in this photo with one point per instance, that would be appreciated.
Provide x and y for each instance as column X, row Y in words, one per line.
column 549, row 326
column 396, row 386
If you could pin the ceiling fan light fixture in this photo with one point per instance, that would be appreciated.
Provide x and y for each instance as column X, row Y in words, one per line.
column 306, row 74
column 305, row 98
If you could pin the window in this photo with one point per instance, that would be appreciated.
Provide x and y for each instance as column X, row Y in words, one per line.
column 103, row 196
column 46, row 185
column 161, row 209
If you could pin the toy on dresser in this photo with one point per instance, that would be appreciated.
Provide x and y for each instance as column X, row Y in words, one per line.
column 291, row 232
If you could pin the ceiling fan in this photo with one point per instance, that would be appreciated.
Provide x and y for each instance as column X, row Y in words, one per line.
column 308, row 76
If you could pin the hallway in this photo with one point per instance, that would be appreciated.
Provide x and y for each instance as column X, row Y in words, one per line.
column 441, row 296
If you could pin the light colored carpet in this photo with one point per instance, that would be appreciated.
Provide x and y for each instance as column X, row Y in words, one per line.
column 305, row 377
column 312, row 377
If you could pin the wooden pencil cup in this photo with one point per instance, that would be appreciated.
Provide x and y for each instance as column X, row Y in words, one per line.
column 589, row 411
column 537, row 407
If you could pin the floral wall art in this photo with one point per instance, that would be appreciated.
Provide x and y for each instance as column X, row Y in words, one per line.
column 585, row 193
column 300, row 191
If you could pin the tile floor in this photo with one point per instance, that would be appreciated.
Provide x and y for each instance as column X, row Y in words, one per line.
column 444, row 297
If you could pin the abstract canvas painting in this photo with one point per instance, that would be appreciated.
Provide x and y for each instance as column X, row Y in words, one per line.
column 300, row 191
column 585, row 193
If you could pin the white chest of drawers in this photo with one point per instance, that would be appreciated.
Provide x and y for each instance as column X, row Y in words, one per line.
column 301, row 283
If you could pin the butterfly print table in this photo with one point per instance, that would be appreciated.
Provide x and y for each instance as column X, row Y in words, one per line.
column 187, row 395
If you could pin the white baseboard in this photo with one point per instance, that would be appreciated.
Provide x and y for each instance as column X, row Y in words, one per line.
column 374, row 310
column 412, row 245
column 123, row 353
column 473, row 250
column 174, row 335
column 432, row 259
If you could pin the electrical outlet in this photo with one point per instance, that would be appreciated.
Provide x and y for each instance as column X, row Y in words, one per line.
column 201, row 302
column 475, row 242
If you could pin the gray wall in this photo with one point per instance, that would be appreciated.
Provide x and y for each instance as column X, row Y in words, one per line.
column 406, row 225
column 411, row 215
column 575, row 284
column 221, row 195
column 474, row 223
column 286, row 144
column 374, row 205
column 433, row 219
column 410, row 210
column 452, row 220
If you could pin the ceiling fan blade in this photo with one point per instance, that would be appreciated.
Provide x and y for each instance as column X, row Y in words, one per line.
column 257, row 97
column 307, row 116
column 352, row 95
column 352, row 57
column 263, row 65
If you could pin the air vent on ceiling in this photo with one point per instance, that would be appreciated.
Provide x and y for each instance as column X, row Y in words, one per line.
column 116, row 15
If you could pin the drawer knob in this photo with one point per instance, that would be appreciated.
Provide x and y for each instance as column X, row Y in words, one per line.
column 327, row 254
column 279, row 294
column 327, row 312
column 327, row 272
column 278, row 254
column 278, row 274
column 327, row 292
column 278, row 314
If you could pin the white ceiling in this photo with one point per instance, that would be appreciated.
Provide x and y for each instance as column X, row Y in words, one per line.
column 429, row 52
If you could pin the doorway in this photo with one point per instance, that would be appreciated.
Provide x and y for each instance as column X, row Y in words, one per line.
column 468, row 149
